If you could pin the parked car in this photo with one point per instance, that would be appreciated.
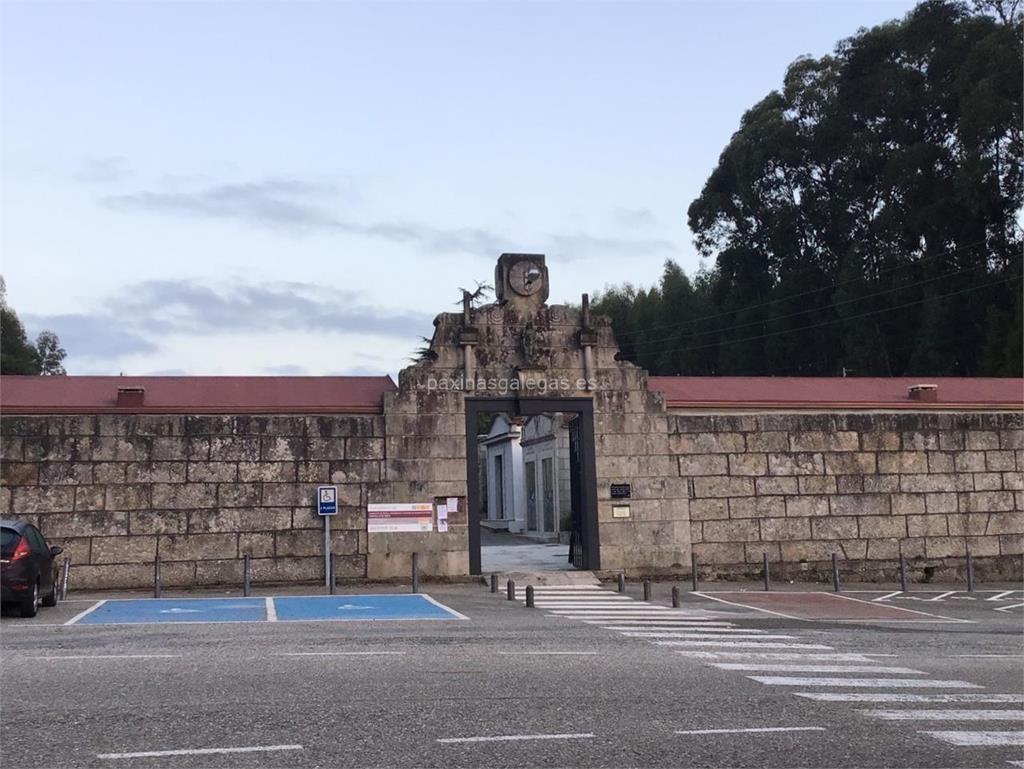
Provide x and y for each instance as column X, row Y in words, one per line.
column 28, row 575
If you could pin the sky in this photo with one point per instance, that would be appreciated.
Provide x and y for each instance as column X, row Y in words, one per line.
column 269, row 188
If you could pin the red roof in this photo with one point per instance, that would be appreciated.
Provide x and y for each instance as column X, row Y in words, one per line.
column 835, row 392
column 195, row 394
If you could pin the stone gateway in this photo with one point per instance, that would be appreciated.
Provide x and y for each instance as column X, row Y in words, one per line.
column 200, row 471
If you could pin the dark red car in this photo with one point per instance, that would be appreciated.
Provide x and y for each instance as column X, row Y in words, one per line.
column 28, row 576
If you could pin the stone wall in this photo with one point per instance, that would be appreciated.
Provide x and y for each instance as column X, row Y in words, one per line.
column 199, row 491
column 865, row 486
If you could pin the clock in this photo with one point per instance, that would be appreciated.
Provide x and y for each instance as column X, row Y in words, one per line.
column 521, row 279
column 526, row 278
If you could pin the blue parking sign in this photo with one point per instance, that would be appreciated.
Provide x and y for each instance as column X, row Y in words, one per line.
column 327, row 500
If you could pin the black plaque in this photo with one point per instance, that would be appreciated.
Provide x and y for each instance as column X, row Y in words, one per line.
column 621, row 491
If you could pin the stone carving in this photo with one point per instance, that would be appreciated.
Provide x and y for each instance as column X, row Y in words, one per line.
column 535, row 347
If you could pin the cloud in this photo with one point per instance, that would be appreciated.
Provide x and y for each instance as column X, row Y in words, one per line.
column 634, row 218
column 102, row 170
column 582, row 246
column 289, row 369
column 93, row 336
column 134, row 320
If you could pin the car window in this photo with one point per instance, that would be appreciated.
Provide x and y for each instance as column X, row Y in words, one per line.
column 8, row 541
column 38, row 543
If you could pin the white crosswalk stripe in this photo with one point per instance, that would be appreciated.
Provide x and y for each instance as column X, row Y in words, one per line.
column 879, row 683
column 979, row 738
column 812, row 668
column 946, row 715
column 909, row 698
column 788, row 660
column 751, row 644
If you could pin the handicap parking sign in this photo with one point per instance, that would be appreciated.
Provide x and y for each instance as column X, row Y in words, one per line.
column 327, row 500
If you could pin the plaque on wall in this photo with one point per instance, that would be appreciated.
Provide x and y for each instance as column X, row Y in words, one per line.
column 621, row 491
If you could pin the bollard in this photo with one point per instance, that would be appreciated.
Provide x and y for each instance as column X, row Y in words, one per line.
column 622, row 582
column 64, row 578
column 835, row 574
column 156, row 577
column 415, row 572
column 246, row 583
column 970, row 572
column 767, row 579
column 675, row 596
column 494, row 583
column 693, row 570
column 334, row 582
column 647, row 590
column 903, row 574
column 529, row 596
column 510, row 591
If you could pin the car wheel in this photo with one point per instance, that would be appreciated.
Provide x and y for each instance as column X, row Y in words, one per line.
column 30, row 605
column 51, row 599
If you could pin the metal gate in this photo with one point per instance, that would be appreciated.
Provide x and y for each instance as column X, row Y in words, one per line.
column 576, row 556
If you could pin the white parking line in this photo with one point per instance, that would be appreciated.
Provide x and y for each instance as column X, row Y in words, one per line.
column 755, row 730
column 771, row 668
column 713, row 633
column 669, row 626
column 105, row 657
column 881, row 683
column 271, row 610
column 199, row 751
column 91, row 609
column 1007, row 608
column 979, row 738
column 886, row 697
column 541, row 654
column 515, row 738
column 887, row 596
column 947, row 715
column 663, row 622
column 940, row 596
column 336, row 654
column 1003, row 594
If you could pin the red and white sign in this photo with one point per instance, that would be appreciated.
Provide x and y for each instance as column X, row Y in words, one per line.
column 393, row 516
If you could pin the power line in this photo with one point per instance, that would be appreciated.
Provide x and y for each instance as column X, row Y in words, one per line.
column 809, row 291
column 645, row 342
column 839, row 320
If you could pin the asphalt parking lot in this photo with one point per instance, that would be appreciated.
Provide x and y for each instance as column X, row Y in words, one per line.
column 587, row 678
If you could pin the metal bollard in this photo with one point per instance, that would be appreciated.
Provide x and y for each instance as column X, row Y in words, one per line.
column 334, row 582
column 903, row 573
column 246, row 580
column 693, row 570
column 647, row 590
column 156, row 577
column 510, row 591
column 767, row 579
column 494, row 583
column 835, row 573
column 970, row 572
column 415, row 572
column 675, row 596
column 529, row 596
column 64, row 578
column 622, row 582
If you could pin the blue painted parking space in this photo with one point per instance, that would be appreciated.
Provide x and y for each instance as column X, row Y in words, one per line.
column 133, row 611
column 362, row 607
column 319, row 608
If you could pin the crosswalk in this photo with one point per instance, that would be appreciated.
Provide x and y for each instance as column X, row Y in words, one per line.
column 807, row 668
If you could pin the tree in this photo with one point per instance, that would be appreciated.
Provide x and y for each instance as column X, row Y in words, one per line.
column 51, row 355
column 17, row 354
column 864, row 216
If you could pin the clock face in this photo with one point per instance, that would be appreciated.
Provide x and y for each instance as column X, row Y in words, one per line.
column 526, row 278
